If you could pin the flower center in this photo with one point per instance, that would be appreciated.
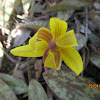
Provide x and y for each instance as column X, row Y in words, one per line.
column 51, row 46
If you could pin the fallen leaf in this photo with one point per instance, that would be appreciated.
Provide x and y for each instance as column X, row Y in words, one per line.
column 21, row 37
column 95, row 58
column 94, row 39
column 95, row 17
column 97, row 5
column 26, row 4
column 85, row 56
column 38, row 68
column 19, row 74
column 82, row 29
column 7, row 10
column 81, row 41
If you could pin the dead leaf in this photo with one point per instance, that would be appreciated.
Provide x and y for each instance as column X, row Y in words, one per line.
column 85, row 56
column 19, row 74
column 1, row 54
column 21, row 37
column 38, row 68
column 97, row 5
column 23, row 65
column 26, row 4
column 95, row 17
column 7, row 9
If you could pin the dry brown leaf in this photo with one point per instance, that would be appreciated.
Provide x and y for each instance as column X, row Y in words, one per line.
column 95, row 17
column 38, row 68
column 19, row 74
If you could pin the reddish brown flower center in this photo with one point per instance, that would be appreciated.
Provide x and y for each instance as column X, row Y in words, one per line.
column 51, row 46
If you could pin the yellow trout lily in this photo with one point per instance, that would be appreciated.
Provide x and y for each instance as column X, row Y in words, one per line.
column 54, row 45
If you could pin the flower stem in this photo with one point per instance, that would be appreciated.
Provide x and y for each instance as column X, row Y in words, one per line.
column 45, row 53
column 51, row 46
column 44, row 57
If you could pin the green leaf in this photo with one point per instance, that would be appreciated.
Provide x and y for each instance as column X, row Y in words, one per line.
column 35, row 24
column 95, row 58
column 17, row 85
column 36, row 91
column 81, row 41
column 67, row 86
column 1, row 54
column 38, row 8
column 69, row 4
column 64, row 15
column 6, row 92
column 94, row 39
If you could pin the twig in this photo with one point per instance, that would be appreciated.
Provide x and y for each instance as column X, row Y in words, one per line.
column 83, row 56
column 12, row 60
column 83, row 13
column 2, row 27
column 3, row 31
column 3, row 37
column 86, row 34
column 86, row 27
column 77, row 25
column 17, row 64
column 3, row 3
column 29, row 71
column 32, row 9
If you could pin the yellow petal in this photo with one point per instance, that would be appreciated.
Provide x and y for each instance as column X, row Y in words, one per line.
column 32, row 42
column 57, row 58
column 41, row 47
column 67, row 40
column 45, row 34
column 24, row 51
column 27, row 51
column 58, row 27
column 72, row 59
column 50, row 61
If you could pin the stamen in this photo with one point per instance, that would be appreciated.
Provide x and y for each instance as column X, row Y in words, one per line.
column 45, row 53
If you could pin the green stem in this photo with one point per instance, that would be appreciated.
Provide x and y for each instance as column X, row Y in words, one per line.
column 29, row 71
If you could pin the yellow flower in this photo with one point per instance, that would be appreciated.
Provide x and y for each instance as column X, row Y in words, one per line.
column 54, row 45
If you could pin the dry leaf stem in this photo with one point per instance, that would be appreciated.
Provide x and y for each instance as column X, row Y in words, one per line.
column 86, row 26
